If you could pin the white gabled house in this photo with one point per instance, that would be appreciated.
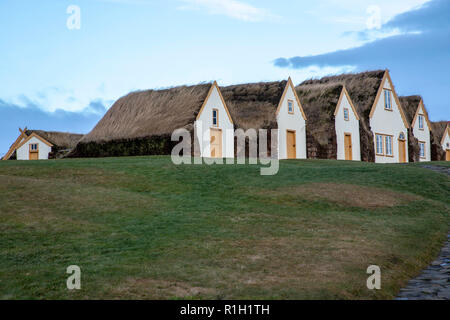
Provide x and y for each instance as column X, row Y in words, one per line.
column 421, row 129
column 41, row 145
column 34, row 147
column 291, row 120
column 389, row 125
column 214, row 127
column 333, row 130
column 417, row 115
column 270, row 106
column 347, row 129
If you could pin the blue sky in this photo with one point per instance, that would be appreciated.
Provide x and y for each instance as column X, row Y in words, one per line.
column 53, row 78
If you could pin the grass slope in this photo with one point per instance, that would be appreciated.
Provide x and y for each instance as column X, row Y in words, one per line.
column 145, row 228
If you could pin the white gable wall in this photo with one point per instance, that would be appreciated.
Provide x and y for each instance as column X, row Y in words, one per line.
column 343, row 126
column 23, row 153
column 204, row 123
column 389, row 123
column 294, row 122
column 424, row 134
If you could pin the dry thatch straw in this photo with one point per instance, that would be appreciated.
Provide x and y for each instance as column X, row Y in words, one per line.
column 438, row 129
column 253, row 105
column 319, row 101
column 362, row 88
column 410, row 105
column 150, row 113
column 58, row 139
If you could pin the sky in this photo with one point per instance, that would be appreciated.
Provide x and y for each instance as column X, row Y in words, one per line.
column 64, row 63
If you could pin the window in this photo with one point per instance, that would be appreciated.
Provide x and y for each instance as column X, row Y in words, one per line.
column 34, row 147
column 384, row 145
column 401, row 136
column 215, row 117
column 388, row 145
column 380, row 149
column 422, row 149
column 290, row 106
column 421, row 122
column 387, row 100
column 346, row 116
column 448, row 145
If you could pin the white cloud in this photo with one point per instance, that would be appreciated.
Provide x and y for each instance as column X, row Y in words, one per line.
column 231, row 8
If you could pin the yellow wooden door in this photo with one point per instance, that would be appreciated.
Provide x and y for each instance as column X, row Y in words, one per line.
column 402, row 151
column 348, row 147
column 291, row 147
column 34, row 155
column 216, row 143
column 447, row 155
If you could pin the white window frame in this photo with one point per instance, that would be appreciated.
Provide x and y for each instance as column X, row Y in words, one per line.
column 387, row 149
column 290, row 107
column 346, row 112
column 387, row 99
column 422, row 149
column 421, row 122
column 389, row 146
column 215, row 118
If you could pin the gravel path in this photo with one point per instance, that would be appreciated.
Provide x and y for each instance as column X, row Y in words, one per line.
column 439, row 169
column 434, row 282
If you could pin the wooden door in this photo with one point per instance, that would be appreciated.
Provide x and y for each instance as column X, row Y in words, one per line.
column 291, row 146
column 34, row 155
column 447, row 155
column 216, row 143
column 348, row 147
column 402, row 151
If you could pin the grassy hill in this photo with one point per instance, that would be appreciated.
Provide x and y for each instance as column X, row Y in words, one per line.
column 145, row 228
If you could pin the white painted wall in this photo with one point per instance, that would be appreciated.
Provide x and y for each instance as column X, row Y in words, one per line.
column 423, row 135
column 204, row 124
column 287, row 121
column 23, row 152
column 343, row 126
column 446, row 144
column 389, row 123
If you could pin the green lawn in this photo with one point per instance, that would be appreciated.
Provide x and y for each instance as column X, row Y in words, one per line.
column 145, row 228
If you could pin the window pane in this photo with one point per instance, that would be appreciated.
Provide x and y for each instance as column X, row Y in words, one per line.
column 291, row 109
column 388, row 145
column 346, row 114
column 379, row 144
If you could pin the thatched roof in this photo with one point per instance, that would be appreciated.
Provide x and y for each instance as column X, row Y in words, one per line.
column 150, row 113
column 254, row 105
column 410, row 105
column 319, row 101
column 438, row 129
column 58, row 139
column 362, row 88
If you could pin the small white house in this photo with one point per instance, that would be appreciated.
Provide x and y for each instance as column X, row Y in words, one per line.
column 34, row 147
column 389, row 125
column 270, row 106
column 214, row 126
column 291, row 120
column 445, row 142
column 333, row 121
column 39, row 144
column 420, row 125
column 347, row 129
